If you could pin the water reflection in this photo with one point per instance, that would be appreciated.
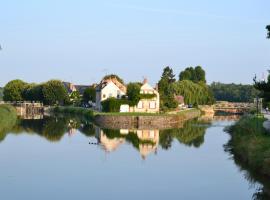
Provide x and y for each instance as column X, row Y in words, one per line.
column 147, row 142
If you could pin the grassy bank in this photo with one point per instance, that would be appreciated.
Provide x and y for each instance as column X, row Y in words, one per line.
column 250, row 142
column 147, row 114
column 88, row 114
column 8, row 118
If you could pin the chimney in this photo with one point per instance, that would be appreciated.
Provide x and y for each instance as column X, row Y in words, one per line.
column 145, row 81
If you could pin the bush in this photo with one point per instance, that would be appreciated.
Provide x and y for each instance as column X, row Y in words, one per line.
column 113, row 104
column 88, row 114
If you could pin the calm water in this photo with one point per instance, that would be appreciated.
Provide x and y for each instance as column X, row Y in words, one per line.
column 67, row 158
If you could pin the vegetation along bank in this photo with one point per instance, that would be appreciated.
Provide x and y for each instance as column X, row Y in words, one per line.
column 250, row 142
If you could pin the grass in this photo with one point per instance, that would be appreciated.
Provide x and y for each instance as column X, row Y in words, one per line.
column 250, row 142
column 145, row 114
column 84, row 112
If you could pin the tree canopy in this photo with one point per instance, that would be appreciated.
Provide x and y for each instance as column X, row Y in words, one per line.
column 233, row 92
column 1, row 93
column 114, row 76
column 268, row 29
column 54, row 93
column 133, row 93
column 196, row 74
column 89, row 94
column 165, row 88
column 13, row 90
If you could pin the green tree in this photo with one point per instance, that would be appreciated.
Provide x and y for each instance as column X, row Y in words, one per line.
column 268, row 29
column 13, row 90
column 1, row 94
column 54, row 93
column 196, row 74
column 75, row 97
column 133, row 93
column 114, row 76
column 89, row 94
column 165, row 87
column 33, row 92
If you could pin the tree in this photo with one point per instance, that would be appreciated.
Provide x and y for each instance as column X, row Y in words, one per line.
column 54, row 93
column 13, row 90
column 112, row 76
column 89, row 94
column 133, row 93
column 168, row 75
column 75, row 97
column 33, row 92
column 165, row 87
column 268, row 29
column 196, row 74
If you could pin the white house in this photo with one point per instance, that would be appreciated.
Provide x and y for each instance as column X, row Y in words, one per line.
column 108, row 88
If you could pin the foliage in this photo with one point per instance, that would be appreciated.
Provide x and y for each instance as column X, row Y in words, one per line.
column 89, row 94
column 33, row 92
column 8, row 118
column 84, row 112
column 147, row 96
column 54, row 93
column 196, row 74
column 268, row 29
column 1, row 93
column 113, row 104
column 75, row 97
column 233, row 92
column 114, row 76
column 165, row 88
column 13, row 90
column 251, row 143
column 133, row 93
column 194, row 93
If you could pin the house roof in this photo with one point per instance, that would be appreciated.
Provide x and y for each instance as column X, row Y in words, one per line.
column 105, row 82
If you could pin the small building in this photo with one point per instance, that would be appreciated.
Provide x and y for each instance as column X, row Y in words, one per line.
column 150, row 101
column 109, row 88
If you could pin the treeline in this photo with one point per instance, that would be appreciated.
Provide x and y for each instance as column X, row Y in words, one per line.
column 191, row 85
column 52, row 92
column 234, row 92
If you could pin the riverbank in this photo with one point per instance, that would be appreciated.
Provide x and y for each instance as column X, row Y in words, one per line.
column 8, row 118
column 132, row 120
column 145, row 120
column 84, row 112
column 250, row 142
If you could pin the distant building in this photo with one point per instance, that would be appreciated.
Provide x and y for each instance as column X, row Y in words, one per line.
column 108, row 88
column 73, row 88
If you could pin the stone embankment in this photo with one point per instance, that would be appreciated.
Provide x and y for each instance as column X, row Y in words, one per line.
column 157, row 121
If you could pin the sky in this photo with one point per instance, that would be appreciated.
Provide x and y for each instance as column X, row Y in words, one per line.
column 82, row 40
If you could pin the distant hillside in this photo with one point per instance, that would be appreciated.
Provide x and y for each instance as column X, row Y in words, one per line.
column 233, row 92
column 1, row 93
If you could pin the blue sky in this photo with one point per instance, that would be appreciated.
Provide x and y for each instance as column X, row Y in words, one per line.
column 82, row 40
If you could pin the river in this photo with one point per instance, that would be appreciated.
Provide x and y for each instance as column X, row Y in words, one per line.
column 70, row 158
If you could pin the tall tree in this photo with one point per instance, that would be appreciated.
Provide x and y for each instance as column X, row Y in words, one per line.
column 133, row 93
column 165, row 87
column 168, row 75
column 196, row 74
column 13, row 90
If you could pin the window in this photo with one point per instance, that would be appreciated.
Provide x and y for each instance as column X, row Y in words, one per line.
column 140, row 105
column 152, row 105
column 104, row 96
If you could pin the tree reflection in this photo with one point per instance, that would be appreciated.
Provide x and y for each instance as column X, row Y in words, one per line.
column 191, row 134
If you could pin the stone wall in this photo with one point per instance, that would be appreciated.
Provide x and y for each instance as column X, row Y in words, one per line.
column 145, row 122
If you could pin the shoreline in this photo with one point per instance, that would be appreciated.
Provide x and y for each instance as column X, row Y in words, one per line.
column 132, row 120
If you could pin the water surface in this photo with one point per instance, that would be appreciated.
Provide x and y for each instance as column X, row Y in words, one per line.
column 69, row 158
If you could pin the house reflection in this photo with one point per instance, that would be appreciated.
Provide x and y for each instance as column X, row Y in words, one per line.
column 146, row 141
